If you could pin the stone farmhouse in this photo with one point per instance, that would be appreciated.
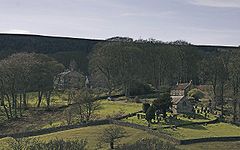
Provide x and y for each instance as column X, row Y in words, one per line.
column 69, row 79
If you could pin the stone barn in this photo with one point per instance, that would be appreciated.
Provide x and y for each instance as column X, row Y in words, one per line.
column 180, row 101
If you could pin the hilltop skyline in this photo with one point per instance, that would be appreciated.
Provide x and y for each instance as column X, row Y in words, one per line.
column 197, row 21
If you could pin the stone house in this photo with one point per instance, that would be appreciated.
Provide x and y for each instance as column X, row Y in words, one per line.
column 180, row 101
column 69, row 80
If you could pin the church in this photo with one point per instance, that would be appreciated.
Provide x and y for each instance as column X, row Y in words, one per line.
column 180, row 102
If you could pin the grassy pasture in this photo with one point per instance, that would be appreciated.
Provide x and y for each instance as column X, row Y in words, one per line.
column 91, row 134
column 212, row 146
column 201, row 131
column 42, row 119
column 113, row 108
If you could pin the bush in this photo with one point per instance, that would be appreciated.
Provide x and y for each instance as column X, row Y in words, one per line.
column 148, row 144
column 196, row 93
column 139, row 88
column 150, row 114
column 145, row 107
column 35, row 144
column 192, row 100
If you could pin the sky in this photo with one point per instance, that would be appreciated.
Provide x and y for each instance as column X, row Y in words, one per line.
column 215, row 22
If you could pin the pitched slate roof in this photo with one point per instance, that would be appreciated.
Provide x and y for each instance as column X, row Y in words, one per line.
column 176, row 99
column 182, row 86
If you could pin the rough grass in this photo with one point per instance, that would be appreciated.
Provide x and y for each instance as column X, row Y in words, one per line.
column 4, row 143
column 39, row 119
column 91, row 134
column 201, row 131
column 113, row 108
column 56, row 100
column 212, row 146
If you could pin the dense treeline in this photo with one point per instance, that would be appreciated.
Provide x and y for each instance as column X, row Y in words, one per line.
column 117, row 63
column 22, row 73
column 126, row 64
column 123, row 63
column 62, row 49
column 66, row 49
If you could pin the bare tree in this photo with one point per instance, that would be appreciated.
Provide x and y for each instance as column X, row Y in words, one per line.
column 103, row 64
column 234, row 71
column 86, row 104
column 111, row 134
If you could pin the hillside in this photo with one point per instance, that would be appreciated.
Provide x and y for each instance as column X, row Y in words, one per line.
column 63, row 49
column 43, row 44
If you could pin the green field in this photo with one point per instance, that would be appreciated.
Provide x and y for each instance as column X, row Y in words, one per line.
column 201, row 131
column 212, row 146
column 39, row 119
column 113, row 108
column 91, row 134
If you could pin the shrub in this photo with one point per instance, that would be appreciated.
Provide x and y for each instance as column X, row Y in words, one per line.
column 196, row 93
column 139, row 88
column 35, row 144
column 145, row 107
column 192, row 100
column 68, row 115
column 137, row 100
column 148, row 144
column 150, row 114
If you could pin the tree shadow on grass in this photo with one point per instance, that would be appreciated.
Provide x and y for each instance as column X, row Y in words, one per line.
column 195, row 127
column 184, row 124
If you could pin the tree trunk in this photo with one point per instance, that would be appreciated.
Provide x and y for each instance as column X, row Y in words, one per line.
column 14, row 100
column 40, row 93
column 112, row 145
column 222, row 98
column 234, row 110
column 24, row 97
column 6, row 111
column 48, row 98
column 126, row 89
column 9, row 105
column 20, row 104
column 109, row 91
column 5, row 108
column 213, row 102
